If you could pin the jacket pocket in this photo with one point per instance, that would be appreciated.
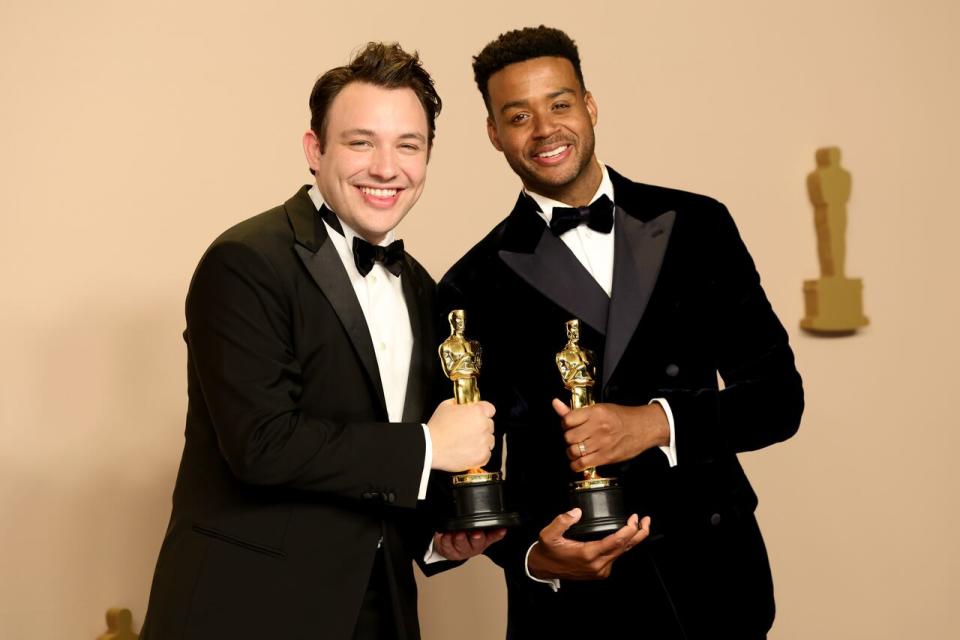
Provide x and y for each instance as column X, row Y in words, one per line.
column 229, row 539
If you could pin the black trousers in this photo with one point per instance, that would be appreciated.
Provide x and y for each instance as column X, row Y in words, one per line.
column 376, row 620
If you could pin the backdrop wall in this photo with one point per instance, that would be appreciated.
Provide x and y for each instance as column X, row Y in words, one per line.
column 133, row 133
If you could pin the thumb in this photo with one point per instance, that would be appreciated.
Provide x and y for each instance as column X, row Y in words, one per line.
column 555, row 530
column 560, row 408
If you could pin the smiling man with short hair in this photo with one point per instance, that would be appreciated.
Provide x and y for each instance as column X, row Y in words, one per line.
column 311, row 365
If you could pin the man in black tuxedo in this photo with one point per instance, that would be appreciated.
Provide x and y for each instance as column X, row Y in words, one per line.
column 668, row 298
column 311, row 366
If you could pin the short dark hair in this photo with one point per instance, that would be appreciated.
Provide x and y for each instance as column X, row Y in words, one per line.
column 383, row 65
column 523, row 44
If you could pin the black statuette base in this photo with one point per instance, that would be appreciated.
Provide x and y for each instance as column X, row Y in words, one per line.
column 603, row 513
column 479, row 505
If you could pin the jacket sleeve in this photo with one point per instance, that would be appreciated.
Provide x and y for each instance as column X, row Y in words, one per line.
column 762, row 399
column 240, row 343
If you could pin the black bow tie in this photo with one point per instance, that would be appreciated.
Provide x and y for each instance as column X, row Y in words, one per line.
column 598, row 216
column 365, row 254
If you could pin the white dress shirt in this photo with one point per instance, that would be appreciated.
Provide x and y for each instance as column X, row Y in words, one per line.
column 595, row 251
column 380, row 295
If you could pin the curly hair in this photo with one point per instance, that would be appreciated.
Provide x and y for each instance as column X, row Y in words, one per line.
column 519, row 45
column 383, row 65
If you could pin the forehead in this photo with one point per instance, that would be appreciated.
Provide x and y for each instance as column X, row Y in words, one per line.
column 530, row 79
column 361, row 105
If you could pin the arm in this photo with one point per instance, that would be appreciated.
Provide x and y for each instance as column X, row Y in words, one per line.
column 239, row 333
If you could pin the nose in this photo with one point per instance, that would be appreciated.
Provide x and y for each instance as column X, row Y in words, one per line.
column 383, row 164
column 544, row 126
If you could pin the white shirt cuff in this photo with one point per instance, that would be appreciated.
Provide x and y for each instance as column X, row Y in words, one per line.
column 432, row 556
column 670, row 450
column 553, row 582
column 427, row 462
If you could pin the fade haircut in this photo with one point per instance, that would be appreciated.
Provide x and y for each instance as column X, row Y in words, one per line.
column 382, row 65
column 523, row 44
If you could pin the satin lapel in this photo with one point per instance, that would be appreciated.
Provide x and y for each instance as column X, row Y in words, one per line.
column 327, row 270
column 554, row 271
column 416, row 308
column 638, row 254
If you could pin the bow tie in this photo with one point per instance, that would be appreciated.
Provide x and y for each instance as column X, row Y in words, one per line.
column 598, row 216
column 364, row 253
column 390, row 256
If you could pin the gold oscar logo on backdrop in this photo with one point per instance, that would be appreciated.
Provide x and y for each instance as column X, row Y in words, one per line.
column 834, row 302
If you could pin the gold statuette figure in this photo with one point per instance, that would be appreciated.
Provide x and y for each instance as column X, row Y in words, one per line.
column 578, row 370
column 461, row 363
column 478, row 500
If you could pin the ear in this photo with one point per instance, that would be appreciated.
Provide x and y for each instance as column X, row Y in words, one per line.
column 311, row 149
column 492, row 134
column 591, row 107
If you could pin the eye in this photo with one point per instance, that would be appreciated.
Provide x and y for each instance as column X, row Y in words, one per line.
column 410, row 147
column 360, row 144
column 559, row 106
column 517, row 118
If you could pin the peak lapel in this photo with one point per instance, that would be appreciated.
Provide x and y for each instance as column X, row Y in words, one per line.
column 323, row 263
column 544, row 262
column 639, row 248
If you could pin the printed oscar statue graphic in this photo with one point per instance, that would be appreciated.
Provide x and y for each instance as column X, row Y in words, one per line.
column 600, row 499
column 477, row 493
column 834, row 302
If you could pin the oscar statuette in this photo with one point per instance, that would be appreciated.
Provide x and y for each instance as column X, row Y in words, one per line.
column 477, row 494
column 600, row 499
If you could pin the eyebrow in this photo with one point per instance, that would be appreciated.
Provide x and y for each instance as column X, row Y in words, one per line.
column 371, row 134
column 513, row 104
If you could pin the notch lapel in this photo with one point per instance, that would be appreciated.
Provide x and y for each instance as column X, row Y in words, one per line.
column 639, row 248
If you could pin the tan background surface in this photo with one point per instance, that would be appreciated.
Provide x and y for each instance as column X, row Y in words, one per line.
column 133, row 133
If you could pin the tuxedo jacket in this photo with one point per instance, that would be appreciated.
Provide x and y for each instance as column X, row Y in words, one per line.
column 686, row 305
column 291, row 473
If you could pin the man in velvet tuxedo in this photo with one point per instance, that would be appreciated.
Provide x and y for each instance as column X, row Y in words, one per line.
column 668, row 298
column 311, row 359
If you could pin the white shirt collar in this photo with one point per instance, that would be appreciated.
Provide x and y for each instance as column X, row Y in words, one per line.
column 547, row 204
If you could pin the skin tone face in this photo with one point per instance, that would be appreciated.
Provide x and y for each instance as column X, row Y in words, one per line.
column 374, row 163
column 542, row 121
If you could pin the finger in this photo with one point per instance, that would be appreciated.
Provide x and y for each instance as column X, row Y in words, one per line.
column 575, row 418
column 560, row 407
column 553, row 532
column 575, row 450
column 461, row 544
column 594, row 459
column 487, row 409
column 613, row 544
column 441, row 544
column 580, row 433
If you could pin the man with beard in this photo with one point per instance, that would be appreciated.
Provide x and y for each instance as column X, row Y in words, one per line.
column 668, row 298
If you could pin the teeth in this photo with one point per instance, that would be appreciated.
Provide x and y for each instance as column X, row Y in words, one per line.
column 379, row 193
column 555, row 152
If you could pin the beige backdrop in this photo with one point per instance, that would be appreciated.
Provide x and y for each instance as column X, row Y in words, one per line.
column 132, row 134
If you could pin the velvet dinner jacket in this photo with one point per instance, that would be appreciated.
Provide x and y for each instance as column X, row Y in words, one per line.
column 291, row 473
column 686, row 305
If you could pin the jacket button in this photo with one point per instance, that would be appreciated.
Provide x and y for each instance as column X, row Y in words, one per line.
column 370, row 495
column 715, row 519
column 673, row 370
column 390, row 497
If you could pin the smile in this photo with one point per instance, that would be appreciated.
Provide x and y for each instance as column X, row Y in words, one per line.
column 379, row 193
column 553, row 152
